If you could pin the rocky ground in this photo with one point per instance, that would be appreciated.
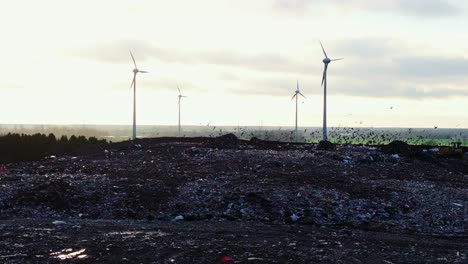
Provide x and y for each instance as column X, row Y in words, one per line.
column 197, row 200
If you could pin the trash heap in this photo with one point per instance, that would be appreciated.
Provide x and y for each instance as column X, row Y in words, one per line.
column 226, row 179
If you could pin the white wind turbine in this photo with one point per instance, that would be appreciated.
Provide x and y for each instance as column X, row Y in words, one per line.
column 326, row 61
column 297, row 97
column 135, row 71
column 180, row 97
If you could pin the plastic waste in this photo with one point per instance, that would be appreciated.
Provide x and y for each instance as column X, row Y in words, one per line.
column 178, row 218
column 227, row 259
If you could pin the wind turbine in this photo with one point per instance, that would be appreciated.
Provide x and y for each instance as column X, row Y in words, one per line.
column 296, row 96
column 135, row 71
column 180, row 97
column 326, row 61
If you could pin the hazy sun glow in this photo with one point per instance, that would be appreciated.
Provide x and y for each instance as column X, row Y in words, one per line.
column 237, row 61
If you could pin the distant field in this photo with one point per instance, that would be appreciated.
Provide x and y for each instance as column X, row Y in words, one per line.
column 411, row 141
column 373, row 136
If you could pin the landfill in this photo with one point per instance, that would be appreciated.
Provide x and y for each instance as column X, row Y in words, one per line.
column 280, row 202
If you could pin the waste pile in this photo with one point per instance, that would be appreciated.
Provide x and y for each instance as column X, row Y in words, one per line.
column 227, row 179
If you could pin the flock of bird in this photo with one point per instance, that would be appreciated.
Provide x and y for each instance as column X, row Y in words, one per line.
column 326, row 62
column 345, row 136
column 350, row 135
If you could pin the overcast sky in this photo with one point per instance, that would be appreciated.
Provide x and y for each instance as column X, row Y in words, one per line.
column 67, row 62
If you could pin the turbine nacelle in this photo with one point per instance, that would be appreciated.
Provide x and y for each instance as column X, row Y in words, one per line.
column 135, row 71
column 326, row 61
column 297, row 92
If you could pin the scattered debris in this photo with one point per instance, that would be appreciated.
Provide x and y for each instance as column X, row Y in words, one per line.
column 69, row 254
column 178, row 218
column 3, row 169
column 227, row 259
column 227, row 180
column 295, row 217
column 59, row 223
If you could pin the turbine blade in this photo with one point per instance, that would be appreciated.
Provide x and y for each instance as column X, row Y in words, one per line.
column 143, row 71
column 302, row 95
column 133, row 60
column 324, row 53
column 295, row 94
column 337, row 59
column 179, row 89
column 324, row 73
column 133, row 81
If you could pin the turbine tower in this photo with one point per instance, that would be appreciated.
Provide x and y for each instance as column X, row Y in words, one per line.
column 135, row 71
column 180, row 97
column 326, row 61
column 296, row 96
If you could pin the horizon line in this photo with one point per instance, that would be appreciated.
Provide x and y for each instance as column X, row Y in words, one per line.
column 224, row 125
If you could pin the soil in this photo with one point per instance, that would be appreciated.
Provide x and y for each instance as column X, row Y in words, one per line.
column 197, row 200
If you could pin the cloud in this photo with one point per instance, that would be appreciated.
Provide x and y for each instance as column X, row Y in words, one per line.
column 372, row 68
column 171, row 84
column 414, row 77
column 403, row 68
column 427, row 8
column 12, row 86
column 292, row 5
column 434, row 93
column 271, row 86
column 369, row 57
column 263, row 62
column 397, row 90
column 266, row 62
column 166, row 83
column 418, row 8
column 431, row 67
column 228, row 76
column 366, row 47
column 371, row 88
column 117, row 52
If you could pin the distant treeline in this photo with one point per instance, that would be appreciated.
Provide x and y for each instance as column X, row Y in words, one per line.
column 57, row 130
column 21, row 147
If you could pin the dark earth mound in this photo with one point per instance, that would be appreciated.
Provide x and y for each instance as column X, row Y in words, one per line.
column 403, row 148
column 325, row 145
column 195, row 200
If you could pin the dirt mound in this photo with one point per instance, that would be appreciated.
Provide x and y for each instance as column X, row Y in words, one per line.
column 401, row 147
column 272, row 145
column 325, row 145
column 226, row 141
column 259, row 143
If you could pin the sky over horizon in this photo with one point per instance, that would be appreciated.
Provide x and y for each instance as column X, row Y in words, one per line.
column 405, row 65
